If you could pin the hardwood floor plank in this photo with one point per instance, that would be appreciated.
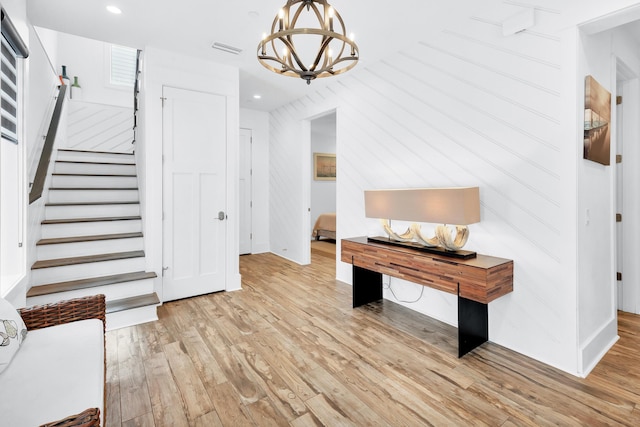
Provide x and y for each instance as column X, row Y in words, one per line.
column 153, row 336
column 307, row 420
column 239, row 376
column 113, row 416
column 289, row 349
column 264, row 414
column 192, row 391
column 328, row 413
column 211, row 374
column 210, row 419
column 145, row 420
column 134, row 395
column 268, row 345
column 167, row 407
column 284, row 399
column 229, row 406
column 340, row 397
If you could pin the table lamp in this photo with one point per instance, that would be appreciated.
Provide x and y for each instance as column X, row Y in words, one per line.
column 456, row 206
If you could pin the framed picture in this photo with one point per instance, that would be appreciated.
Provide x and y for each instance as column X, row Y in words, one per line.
column 324, row 167
column 597, row 115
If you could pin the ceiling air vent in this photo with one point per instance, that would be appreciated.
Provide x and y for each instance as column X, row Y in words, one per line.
column 226, row 48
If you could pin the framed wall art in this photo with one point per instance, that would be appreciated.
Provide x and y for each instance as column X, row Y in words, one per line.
column 597, row 118
column 324, row 167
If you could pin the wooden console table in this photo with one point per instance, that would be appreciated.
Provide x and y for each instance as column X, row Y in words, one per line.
column 476, row 281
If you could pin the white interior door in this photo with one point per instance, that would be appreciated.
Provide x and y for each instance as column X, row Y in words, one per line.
column 245, row 192
column 194, row 186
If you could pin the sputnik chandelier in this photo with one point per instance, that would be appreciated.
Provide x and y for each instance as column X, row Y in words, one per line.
column 295, row 50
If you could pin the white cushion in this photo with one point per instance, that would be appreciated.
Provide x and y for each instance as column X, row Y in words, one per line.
column 59, row 371
column 12, row 332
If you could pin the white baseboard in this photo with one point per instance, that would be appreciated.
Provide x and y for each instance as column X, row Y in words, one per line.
column 597, row 346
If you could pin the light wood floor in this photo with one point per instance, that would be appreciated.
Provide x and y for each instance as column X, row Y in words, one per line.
column 289, row 350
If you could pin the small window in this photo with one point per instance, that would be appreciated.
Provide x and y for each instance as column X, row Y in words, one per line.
column 9, row 92
column 123, row 66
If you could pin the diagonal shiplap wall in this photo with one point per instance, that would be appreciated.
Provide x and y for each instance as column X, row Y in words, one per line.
column 467, row 107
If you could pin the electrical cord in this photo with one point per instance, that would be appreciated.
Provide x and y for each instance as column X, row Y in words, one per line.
column 388, row 286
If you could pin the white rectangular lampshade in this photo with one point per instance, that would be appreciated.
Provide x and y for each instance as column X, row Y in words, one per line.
column 455, row 206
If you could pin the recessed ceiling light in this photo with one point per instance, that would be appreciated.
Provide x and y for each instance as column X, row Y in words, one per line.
column 257, row 96
column 114, row 9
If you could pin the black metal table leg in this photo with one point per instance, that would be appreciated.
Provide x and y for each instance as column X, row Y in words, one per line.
column 367, row 286
column 473, row 325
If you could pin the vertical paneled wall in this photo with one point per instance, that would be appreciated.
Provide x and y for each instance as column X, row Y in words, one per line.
column 468, row 107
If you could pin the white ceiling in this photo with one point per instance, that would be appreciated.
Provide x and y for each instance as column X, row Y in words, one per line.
column 191, row 27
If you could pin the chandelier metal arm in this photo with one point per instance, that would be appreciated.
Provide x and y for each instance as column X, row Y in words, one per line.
column 325, row 42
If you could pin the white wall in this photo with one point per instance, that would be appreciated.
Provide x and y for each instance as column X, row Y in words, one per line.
column 323, row 140
column 164, row 68
column 258, row 122
column 89, row 60
column 469, row 107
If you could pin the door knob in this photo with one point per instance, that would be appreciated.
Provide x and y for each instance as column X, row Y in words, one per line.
column 222, row 216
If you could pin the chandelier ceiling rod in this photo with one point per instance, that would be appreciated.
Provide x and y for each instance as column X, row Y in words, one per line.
column 335, row 54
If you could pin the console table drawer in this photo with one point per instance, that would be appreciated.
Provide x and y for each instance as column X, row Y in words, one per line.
column 481, row 279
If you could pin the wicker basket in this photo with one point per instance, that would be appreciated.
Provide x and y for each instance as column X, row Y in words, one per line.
column 72, row 310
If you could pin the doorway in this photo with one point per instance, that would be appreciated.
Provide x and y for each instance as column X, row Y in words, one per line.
column 627, row 186
column 194, row 193
column 323, row 184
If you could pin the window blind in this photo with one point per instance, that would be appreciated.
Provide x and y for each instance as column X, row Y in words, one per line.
column 12, row 47
column 123, row 65
column 8, row 92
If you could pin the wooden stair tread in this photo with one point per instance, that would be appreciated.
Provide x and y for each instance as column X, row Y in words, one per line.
column 94, row 174
column 93, row 188
column 93, row 203
column 61, row 262
column 132, row 302
column 93, row 238
column 99, row 219
column 71, row 150
column 95, row 163
column 91, row 282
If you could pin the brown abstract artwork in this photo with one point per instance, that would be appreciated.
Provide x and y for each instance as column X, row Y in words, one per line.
column 597, row 118
column 324, row 167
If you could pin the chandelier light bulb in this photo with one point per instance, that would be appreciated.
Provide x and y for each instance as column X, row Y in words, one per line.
column 308, row 22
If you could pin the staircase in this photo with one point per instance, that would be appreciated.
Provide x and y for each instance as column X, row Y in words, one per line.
column 92, row 238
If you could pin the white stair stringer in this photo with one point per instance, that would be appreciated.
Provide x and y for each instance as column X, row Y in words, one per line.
column 92, row 238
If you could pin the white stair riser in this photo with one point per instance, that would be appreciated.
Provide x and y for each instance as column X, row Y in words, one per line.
column 91, row 211
column 81, row 156
column 111, row 292
column 136, row 316
column 68, row 250
column 50, row 231
column 76, row 181
column 68, row 196
column 93, row 168
column 43, row 276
